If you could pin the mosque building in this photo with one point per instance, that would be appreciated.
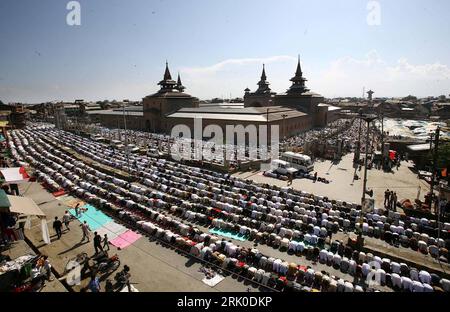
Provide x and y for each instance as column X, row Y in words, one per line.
column 295, row 111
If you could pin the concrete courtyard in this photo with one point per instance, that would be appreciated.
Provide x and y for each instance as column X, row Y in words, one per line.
column 342, row 185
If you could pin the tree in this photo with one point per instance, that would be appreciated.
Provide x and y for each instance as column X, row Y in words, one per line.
column 1, row 103
column 442, row 98
column 410, row 98
column 443, row 156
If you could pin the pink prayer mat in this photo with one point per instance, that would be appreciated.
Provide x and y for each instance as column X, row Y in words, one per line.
column 125, row 239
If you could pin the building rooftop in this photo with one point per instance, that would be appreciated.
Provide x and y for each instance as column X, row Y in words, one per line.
column 419, row 147
column 170, row 94
column 330, row 107
column 115, row 112
column 131, row 108
column 259, row 114
column 308, row 93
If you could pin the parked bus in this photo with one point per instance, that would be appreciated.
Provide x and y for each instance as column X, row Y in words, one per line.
column 298, row 161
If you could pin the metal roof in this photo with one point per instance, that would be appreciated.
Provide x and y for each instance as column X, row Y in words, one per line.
column 255, row 114
column 113, row 112
column 419, row 147
column 237, row 117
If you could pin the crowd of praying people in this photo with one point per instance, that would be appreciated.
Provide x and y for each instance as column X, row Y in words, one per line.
column 172, row 201
column 344, row 131
column 163, row 144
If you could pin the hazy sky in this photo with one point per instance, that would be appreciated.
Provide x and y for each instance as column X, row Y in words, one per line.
column 120, row 48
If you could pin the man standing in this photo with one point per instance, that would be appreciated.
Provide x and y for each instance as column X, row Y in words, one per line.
column 57, row 225
column 105, row 242
column 391, row 200
column 94, row 284
column 386, row 198
column 97, row 242
column 14, row 189
column 86, row 231
column 77, row 213
column 394, row 201
column 66, row 220
column 45, row 267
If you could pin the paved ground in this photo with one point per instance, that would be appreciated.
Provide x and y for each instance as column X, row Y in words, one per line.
column 159, row 268
column 344, row 187
column 153, row 267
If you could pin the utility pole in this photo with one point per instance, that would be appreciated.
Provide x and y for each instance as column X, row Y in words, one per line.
column 382, row 135
column 284, row 125
column 365, row 163
column 434, row 169
column 127, row 150
column 431, row 141
column 368, row 119
column 358, row 147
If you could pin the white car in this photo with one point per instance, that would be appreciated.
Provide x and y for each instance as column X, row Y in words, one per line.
column 282, row 167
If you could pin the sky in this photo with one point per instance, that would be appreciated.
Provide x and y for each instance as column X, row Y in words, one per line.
column 119, row 50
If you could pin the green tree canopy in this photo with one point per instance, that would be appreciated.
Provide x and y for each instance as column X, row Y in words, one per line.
column 443, row 156
column 410, row 98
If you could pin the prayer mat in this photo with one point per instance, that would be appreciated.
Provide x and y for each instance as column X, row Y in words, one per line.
column 227, row 234
column 111, row 235
column 93, row 217
column 73, row 202
column 59, row 193
column 126, row 239
column 213, row 281
column 115, row 228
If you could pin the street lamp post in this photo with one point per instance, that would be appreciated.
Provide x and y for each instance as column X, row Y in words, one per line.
column 284, row 125
column 382, row 136
column 358, row 147
column 434, row 169
column 126, row 136
column 368, row 119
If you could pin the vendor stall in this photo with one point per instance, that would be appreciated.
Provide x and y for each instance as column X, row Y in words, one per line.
column 25, row 206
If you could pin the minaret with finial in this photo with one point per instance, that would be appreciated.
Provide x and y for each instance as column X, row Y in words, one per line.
column 179, row 86
column 167, row 84
column 262, row 96
column 370, row 94
column 263, row 84
column 298, row 82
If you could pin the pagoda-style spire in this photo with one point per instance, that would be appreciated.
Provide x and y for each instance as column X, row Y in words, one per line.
column 298, row 82
column 167, row 84
column 298, row 72
column 179, row 86
column 167, row 75
column 263, row 84
column 263, row 75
